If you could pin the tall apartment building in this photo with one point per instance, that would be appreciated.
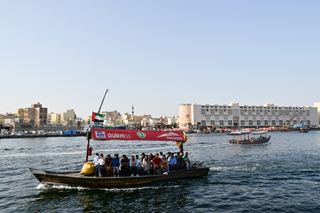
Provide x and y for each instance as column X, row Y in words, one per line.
column 35, row 115
column 54, row 118
column 235, row 115
column 69, row 117
column 2, row 117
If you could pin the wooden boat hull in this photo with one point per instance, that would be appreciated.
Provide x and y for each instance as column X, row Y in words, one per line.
column 76, row 179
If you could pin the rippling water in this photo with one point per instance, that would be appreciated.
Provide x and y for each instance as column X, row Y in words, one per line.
column 282, row 176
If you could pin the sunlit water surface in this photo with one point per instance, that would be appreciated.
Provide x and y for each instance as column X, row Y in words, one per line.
column 281, row 176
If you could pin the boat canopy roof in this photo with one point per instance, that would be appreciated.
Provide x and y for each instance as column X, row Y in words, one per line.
column 141, row 135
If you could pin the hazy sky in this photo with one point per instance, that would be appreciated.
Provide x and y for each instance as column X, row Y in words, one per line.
column 158, row 54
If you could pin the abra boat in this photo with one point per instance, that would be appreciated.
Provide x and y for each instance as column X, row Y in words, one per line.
column 245, row 137
column 76, row 179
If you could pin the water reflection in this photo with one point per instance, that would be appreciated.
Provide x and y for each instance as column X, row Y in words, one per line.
column 160, row 198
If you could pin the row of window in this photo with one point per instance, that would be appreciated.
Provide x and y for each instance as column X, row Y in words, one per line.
column 253, row 107
column 251, row 123
column 213, row 111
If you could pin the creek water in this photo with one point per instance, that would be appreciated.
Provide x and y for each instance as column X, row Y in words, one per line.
column 281, row 176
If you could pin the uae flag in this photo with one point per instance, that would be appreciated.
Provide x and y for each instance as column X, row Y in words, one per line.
column 96, row 117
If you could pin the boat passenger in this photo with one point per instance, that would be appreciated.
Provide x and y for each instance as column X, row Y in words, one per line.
column 180, row 162
column 101, row 166
column 164, row 163
column 95, row 162
column 142, row 156
column 138, row 165
column 151, row 156
column 132, row 165
column 124, row 166
column 146, row 165
column 172, row 162
column 157, row 164
column 115, row 162
column 187, row 160
column 95, row 159
column 108, row 165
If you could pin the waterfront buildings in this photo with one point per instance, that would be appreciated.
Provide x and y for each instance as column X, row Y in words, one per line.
column 35, row 115
column 68, row 118
column 235, row 115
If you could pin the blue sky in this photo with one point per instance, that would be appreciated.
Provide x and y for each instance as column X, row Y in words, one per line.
column 158, row 54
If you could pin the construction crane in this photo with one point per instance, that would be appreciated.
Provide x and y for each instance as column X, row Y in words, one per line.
column 287, row 123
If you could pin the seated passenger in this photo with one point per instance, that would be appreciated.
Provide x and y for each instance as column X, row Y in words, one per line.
column 142, row 156
column 132, row 165
column 156, row 164
column 164, row 163
column 124, row 166
column 187, row 160
column 115, row 162
column 95, row 159
column 101, row 166
column 151, row 156
column 180, row 162
column 95, row 162
column 138, row 165
column 108, row 165
column 172, row 162
column 146, row 165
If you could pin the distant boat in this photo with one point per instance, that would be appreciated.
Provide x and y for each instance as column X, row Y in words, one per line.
column 246, row 137
column 304, row 130
column 301, row 128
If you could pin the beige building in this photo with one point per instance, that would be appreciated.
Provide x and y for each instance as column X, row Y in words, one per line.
column 69, row 117
column 36, row 115
column 235, row 115
column 133, row 119
column 2, row 117
column 112, row 118
column 54, row 118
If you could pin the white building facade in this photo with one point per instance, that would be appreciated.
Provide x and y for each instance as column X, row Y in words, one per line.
column 317, row 105
column 235, row 115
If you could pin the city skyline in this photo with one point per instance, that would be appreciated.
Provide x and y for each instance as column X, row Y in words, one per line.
column 157, row 55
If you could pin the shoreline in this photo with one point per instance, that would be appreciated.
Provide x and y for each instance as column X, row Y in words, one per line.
column 39, row 136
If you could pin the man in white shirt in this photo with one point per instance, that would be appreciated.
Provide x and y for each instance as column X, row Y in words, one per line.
column 95, row 162
column 100, row 166
column 95, row 159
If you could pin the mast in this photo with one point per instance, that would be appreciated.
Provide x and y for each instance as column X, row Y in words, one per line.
column 89, row 133
column 103, row 100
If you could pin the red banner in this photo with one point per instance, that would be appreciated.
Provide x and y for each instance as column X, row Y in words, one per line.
column 145, row 135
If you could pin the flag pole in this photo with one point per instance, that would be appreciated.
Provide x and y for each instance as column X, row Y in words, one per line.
column 103, row 100
column 89, row 133
column 88, row 136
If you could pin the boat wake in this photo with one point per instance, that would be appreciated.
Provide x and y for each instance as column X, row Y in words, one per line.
column 64, row 187
column 234, row 168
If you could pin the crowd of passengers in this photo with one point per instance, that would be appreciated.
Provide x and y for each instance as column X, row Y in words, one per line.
column 146, row 165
